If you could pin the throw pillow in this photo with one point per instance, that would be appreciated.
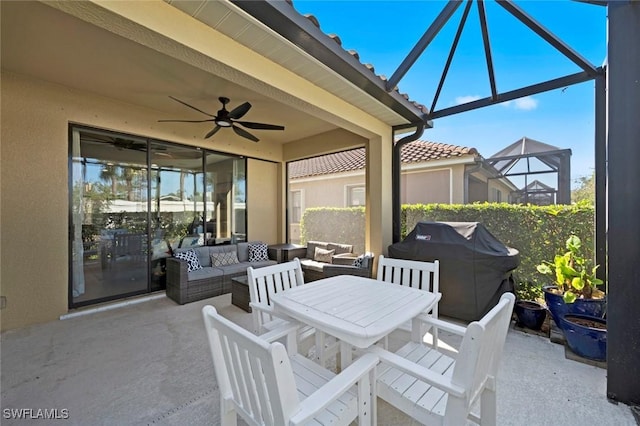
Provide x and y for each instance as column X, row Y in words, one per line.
column 358, row 262
column 224, row 258
column 322, row 255
column 258, row 252
column 190, row 256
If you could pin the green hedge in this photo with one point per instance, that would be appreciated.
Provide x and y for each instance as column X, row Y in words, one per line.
column 338, row 225
column 538, row 232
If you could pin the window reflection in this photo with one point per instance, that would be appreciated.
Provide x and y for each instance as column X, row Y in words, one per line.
column 134, row 201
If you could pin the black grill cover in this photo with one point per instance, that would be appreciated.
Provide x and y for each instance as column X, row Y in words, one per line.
column 475, row 267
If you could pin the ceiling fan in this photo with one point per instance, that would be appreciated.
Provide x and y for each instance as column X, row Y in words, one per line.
column 226, row 118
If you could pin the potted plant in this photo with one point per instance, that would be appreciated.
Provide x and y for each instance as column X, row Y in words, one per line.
column 575, row 288
column 576, row 304
column 530, row 308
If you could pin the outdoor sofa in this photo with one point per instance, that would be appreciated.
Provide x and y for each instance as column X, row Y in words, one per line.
column 217, row 266
column 318, row 255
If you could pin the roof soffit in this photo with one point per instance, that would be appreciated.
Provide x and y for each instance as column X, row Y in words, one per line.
column 229, row 19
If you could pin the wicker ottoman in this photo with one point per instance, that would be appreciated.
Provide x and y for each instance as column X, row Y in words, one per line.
column 240, row 292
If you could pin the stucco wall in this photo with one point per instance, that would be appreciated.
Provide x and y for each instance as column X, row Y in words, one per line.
column 433, row 186
column 34, row 186
column 263, row 199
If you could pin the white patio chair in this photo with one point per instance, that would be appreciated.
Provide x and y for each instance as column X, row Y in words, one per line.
column 436, row 389
column 416, row 274
column 266, row 281
column 260, row 382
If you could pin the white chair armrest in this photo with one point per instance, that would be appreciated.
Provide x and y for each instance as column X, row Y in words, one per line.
column 334, row 389
column 418, row 371
column 277, row 333
column 442, row 325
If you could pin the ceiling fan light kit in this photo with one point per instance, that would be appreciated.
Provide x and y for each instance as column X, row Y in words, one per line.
column 227, row 119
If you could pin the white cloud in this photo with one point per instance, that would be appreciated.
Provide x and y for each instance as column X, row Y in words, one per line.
column 466, row 99
column 526, row 104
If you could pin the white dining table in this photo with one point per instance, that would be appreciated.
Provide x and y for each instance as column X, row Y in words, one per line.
column 356, row 310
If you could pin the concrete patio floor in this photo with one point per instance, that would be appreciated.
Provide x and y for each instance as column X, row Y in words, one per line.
column 148, row 364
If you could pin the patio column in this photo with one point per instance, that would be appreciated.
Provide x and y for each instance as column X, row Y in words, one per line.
column 379, row 203
column 623, row 317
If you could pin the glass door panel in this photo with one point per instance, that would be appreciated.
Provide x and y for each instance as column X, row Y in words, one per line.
column 226, row 196
column 110, row 208
column 177, row 210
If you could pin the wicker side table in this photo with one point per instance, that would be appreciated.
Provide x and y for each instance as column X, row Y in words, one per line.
column 240, row 292
column 285, row 252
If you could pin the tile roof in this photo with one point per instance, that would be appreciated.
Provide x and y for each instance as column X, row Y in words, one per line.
column 355, row 159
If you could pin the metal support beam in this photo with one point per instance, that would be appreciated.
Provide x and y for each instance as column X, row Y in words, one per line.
column 557, row 83
column 422, row 44
column 601, row 175
column 623, row 149
column 452, row 52
column 487, row 49
column 548, row 36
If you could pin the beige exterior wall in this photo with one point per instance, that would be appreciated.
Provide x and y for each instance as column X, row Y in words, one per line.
column 434, row 186
column 34, row 188
column 35, row 118
column 263, row 199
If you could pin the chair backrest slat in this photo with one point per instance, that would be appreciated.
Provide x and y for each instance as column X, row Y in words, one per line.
column 269, row 280
column 482, row 348
column 411, row 273
column 253, row 375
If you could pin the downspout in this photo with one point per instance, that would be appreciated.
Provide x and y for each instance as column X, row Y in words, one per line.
column 395, row 178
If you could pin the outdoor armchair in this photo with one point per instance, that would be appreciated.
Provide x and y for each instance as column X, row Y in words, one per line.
column 264, row 385
column 436, row 389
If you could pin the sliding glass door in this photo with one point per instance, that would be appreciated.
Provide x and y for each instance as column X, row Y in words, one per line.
column 133, row 201
column 109, row 217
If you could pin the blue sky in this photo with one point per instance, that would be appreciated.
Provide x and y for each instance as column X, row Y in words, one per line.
column 383, row 33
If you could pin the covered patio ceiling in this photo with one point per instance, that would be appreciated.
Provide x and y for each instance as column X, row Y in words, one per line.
column 121, row 60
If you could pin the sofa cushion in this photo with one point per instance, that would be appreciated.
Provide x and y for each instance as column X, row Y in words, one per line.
column 340, row 248
column 243, row 251
column 193, row 264
column 322, row 255
column 203, row 273
column 311, row 248
column 312, row 264
column 235, row 268
column 258, row 252
column 224, row 258
column 262, row 263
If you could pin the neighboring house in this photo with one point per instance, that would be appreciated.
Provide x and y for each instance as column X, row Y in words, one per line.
column 431, row 173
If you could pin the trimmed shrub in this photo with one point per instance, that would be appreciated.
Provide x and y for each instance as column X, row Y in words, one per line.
column 538, row 232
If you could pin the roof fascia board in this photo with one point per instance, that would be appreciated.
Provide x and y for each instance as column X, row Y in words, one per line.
column 326, row 176
column 282, row 18
column 467, row 159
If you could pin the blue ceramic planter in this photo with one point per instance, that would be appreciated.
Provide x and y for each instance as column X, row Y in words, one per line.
column 530, row 314
column 586, row 341
column 558, row 308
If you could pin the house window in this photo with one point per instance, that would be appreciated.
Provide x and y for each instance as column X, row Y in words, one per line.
column 296, row 206
column 355, row 196
column 497, row 195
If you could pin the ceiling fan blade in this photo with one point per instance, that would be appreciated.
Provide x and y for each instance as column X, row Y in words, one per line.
column 239, row 111
column 191, row 106
column 186, row 121
column 260, row 126
column 244, row 134
column 213, row 132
